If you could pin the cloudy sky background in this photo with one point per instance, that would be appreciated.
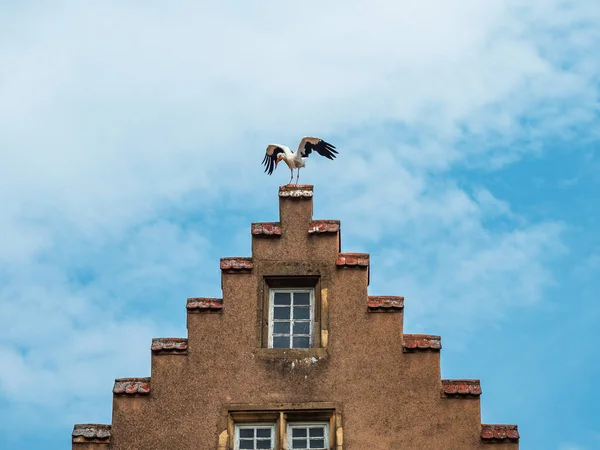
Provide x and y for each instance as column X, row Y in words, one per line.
column 131, row 135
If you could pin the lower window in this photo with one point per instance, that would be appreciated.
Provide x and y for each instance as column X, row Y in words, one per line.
column 299, row 436
column 255, row 436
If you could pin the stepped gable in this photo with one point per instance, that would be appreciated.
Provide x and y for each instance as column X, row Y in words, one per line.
column 419, row 342
column 385, row 303
column 324, row 226
column 204, row 304
column 266, row 229
column 296, row 346
column 172, row 346
column 91, row 433
column 498, row 434
column 461, row 388
column 132, row 386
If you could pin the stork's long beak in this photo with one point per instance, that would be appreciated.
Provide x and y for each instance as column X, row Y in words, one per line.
column 277, row 162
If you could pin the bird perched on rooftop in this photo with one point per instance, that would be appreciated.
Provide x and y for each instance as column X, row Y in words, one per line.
column 276, row 153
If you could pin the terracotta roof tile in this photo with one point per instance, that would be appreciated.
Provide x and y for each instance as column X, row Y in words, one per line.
column 461, row 388
column 296, row 191
column 386, row 303
column 415, row 342
column 236, row 263
column 499, row 433
column 204, row 304
column 177, row 346
column 352, row 260
column 266, row 229
column 132, row 386
column 324, row 226
column 91, row 432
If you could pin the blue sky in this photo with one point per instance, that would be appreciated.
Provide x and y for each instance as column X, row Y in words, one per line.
column 131, row 135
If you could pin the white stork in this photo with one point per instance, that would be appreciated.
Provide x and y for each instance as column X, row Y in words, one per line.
column 276, row 153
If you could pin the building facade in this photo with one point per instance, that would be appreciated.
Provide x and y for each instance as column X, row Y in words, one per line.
column 296, row 355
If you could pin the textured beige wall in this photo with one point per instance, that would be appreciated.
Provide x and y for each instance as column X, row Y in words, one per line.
column 388, row 399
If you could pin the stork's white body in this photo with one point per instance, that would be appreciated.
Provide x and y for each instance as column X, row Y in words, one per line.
column 293, row 160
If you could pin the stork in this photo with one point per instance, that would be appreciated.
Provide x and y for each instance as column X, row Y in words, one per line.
column 276, row 153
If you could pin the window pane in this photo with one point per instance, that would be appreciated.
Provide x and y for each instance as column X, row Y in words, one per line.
column 298, row 432
column 302, row 328
column 302, row 298
column 264, row 432
column 246, row 443
column 263, row 443
column 301, row 313
column 282, row 298
column 281, row 313
column 317, row 443
column 299, row 443
column 246, row 433
column 301, row 342
column 317, row 432
column 281, row 327
column 281, row 342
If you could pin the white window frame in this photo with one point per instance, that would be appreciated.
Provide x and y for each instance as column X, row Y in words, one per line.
column 311, row 321
column 291, row 425
column 269, row 425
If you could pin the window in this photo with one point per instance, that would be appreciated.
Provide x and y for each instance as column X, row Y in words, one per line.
column 308, row 436
column 255, row 436
column 291, row 314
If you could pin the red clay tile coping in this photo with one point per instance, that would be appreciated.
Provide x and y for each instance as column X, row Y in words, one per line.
column 352, row 260
column 415, row 342
column 324, row 226
column 236, row 263
column 172, row 346
column 91, row 432
column 296, row 191
column 499, row 434
column 461, row 388
column 385, row 303
column 204, row 304
column 266, row 229
column 132, row 386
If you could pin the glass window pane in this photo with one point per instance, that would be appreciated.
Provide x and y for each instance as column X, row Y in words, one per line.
column 299, row 443
column 263, row 443
column 282, row 298
column 317, row 443
column 298, row 432
column 301, row 298
column 281, row 327
column 301, row 342
column 281, row 313
column 281, row 342
column 246, row 443
column 301, row 312
column 317, row 432
column 264, row 432
column 246, row 432
column 301, row 327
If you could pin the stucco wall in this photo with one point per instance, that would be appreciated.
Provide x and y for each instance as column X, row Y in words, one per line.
column 386, row 398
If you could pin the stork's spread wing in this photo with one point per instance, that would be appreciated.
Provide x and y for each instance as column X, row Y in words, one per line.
column 271, row 157
column 308, row 144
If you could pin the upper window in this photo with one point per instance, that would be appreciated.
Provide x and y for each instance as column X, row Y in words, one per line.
column 291, row 318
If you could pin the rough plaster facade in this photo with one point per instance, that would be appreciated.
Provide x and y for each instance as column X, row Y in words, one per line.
column 376, row 387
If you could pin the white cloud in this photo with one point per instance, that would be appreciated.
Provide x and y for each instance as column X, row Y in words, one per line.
column 117, row 117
